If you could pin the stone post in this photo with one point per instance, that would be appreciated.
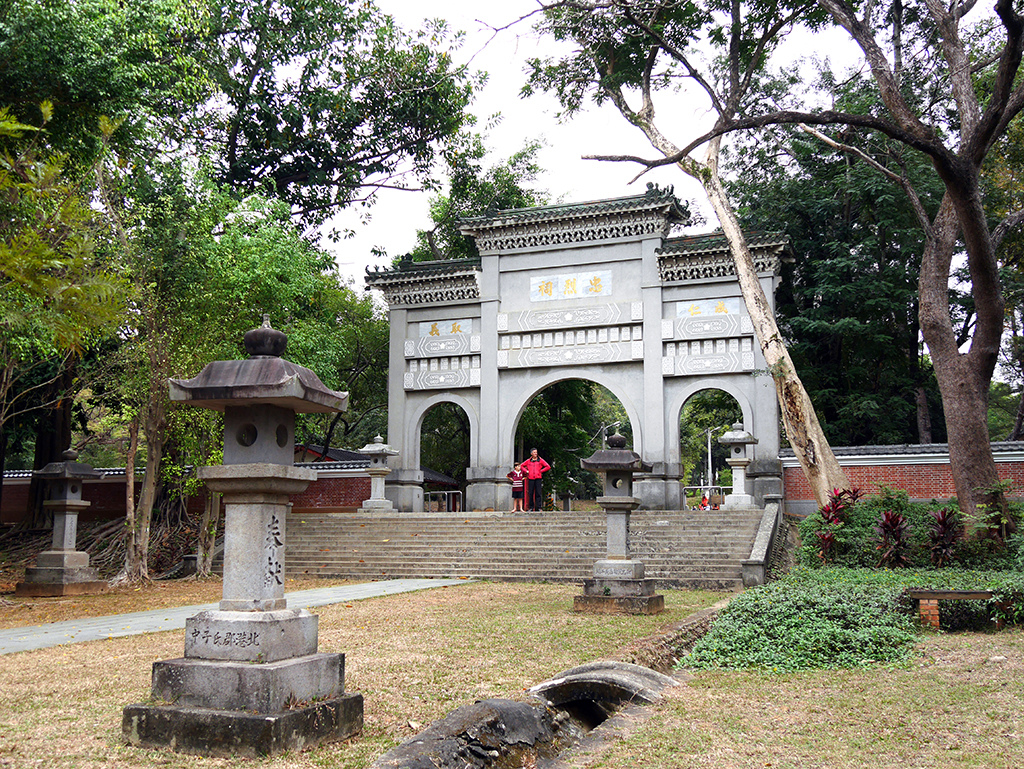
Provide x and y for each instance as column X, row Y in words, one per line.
column 251, row 681
column 618, row 586
column 378, row 452
column 63, row 570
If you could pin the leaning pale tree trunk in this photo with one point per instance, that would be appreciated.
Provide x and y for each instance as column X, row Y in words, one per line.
column 822, row 470
column 803, row 430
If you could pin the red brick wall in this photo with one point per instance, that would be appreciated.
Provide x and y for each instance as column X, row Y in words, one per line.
column 106, row 498
column 340, row 494
column 922, row 481
column 337, row 495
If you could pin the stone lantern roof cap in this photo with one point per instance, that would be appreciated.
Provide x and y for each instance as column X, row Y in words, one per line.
column 617, row 458
column 263, row 378
column 68, row 469
column 378, row 448
column 737, row 436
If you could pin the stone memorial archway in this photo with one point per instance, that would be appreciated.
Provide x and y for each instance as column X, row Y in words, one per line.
column 595, row 291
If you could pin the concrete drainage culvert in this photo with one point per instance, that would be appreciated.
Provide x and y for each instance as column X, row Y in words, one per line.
column 505, row 734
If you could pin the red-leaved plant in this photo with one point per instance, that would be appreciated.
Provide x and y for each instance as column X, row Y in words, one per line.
column 945, row 532
column 826, row 541
column 833, row 513
column 892, row 539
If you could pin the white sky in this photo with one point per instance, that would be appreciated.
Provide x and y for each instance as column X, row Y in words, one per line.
column 397, row 215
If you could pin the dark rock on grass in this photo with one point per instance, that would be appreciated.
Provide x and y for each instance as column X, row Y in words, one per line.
column 490, row 733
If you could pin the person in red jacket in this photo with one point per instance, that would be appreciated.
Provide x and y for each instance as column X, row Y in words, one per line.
column 535, row 468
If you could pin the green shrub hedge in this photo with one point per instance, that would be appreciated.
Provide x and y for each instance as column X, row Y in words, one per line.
column 856, row 541
column 835, row 618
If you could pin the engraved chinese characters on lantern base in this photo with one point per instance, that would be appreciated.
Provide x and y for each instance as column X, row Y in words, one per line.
column 251, row 681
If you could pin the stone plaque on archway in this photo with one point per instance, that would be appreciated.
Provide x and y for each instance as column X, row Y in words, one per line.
column 596, row 291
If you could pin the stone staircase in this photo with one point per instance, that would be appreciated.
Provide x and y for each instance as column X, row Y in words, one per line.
column 702, row 549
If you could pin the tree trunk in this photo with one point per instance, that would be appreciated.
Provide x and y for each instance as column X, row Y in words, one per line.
column 798, row 416
column 136, row 564
column 924, row 417
column 963, row 378
column 208, row 534
column 129, row 499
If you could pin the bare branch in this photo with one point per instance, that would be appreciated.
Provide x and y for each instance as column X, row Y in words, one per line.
column 1010, row 222
column 900, row 179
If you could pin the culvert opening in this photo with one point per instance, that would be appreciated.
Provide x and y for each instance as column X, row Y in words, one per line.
column 589, row 714
column 502, row 734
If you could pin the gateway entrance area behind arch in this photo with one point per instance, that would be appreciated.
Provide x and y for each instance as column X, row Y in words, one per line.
column 596, row 291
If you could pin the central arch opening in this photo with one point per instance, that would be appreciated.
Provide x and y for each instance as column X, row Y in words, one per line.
column 567, row 421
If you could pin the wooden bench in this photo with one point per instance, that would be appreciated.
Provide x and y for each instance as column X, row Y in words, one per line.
column 928, row 602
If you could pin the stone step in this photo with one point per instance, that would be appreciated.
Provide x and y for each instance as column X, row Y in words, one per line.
column 699, row 549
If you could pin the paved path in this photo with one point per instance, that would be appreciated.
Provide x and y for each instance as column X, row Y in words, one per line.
column 22, row 639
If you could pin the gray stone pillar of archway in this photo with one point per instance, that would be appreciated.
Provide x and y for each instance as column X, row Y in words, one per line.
column 488, row 489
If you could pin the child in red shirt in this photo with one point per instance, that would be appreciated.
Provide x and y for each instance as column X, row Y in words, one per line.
column 518, row 478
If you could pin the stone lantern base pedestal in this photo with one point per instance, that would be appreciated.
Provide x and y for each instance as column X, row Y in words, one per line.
column 60, row 572
column 226, row 733
column 619, row 587
column 250, row 684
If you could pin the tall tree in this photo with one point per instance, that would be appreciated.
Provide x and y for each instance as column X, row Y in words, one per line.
column 95, row 59
column 626, row 52
column 848, row 303
column 57, row 291
column 973, row 79
column 320, row 102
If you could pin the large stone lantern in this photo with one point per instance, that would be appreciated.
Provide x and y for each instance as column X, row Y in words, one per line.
column 618, row 585
column 63, row 570
column 740, row 443
column 251, row 681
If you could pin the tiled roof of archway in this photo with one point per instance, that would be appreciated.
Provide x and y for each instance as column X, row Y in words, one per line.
column 654, row 199
column 706, row 256
column 711, row 242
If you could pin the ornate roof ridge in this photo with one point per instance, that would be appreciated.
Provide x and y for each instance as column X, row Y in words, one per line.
column 576, row 224
column 715, row 240
column 654, row 197
column 408, row 269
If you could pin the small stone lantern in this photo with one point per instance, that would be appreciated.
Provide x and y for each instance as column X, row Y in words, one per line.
column 740, row 456
column 378, row 452
column 618, row 586
column 63, row 570
column 251, row 681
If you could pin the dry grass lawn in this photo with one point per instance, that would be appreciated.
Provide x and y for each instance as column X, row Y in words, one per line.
column 416, row 657
column 959, row 705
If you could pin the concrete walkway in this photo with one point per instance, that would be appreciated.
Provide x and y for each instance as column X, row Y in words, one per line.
column 22, row 639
